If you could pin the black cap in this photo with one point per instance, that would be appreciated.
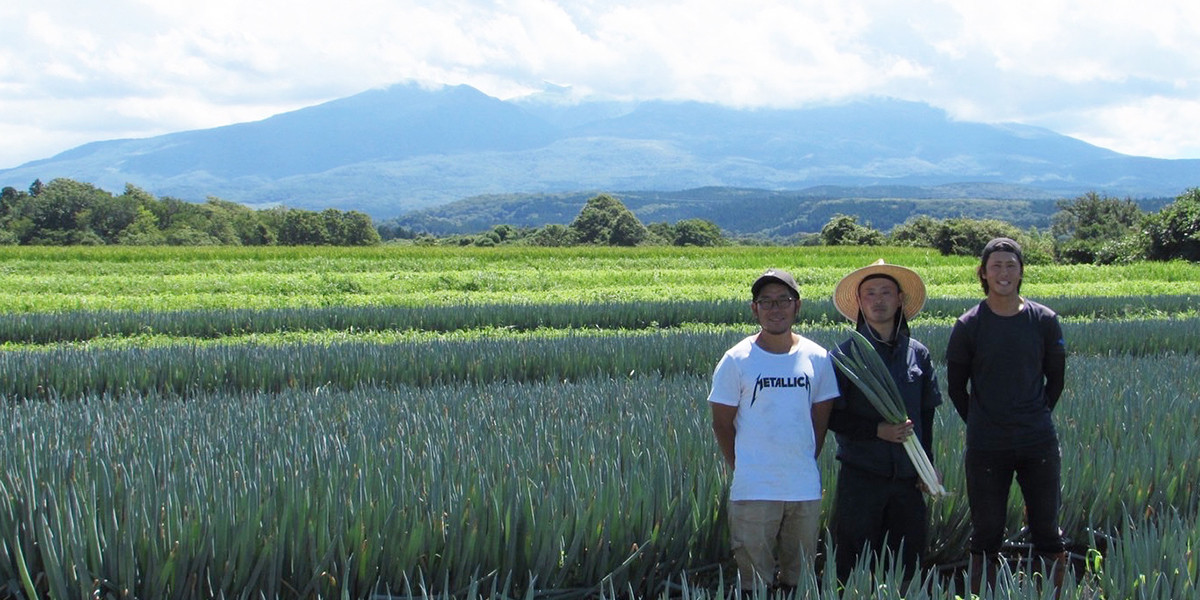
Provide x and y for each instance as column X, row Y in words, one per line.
column 775, row 276
column 1002, row 245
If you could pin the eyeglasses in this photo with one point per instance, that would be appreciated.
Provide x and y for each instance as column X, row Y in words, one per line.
column 775, row 303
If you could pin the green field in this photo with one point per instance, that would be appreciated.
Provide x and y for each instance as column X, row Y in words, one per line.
column 308, row 422
column 114, row 278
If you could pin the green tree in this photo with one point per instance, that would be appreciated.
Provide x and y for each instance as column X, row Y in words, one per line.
column 272, row 219
column 358, row 230
column 9, row 197
column 392, row 230
column 108, row 217
column 177, row 214
column 506, row 233
column 143, row 231
column 697, row 232
column 259, row 235
column 1174, row 231
column 1084, row 225
column 919, row 231
column 627, row 230
column 604, row 220
column 302, row 228
column 844, row 230
column 660, row 234
column 967, row 237
column 55, row 212
column 552, row 235
column 236, row 224
column 185, row 235
column 333, row 222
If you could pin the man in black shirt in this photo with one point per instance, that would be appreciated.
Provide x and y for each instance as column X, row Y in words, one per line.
column 1011, row 352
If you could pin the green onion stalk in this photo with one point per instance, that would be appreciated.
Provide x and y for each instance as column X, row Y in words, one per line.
column 866, row 370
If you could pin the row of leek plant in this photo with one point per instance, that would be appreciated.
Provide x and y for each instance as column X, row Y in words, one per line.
column 448, row 269
column 558, row 487
column 83, row 325
column 545, row 486
column 65, row 373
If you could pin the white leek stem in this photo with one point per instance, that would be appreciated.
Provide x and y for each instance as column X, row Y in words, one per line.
column 916, row 454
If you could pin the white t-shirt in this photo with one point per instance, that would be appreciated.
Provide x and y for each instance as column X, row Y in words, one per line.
column 774, row 393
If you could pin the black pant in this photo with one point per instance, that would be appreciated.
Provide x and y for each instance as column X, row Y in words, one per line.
column 989, row 476
column 875, row 512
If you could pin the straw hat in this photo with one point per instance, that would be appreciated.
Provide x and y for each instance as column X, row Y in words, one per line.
column 845, row 294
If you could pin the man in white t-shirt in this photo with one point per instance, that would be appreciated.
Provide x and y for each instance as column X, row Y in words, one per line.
column 770, row 409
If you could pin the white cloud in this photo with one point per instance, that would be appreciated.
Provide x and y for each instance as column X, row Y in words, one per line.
column 1117, row 73
column 1154, row 126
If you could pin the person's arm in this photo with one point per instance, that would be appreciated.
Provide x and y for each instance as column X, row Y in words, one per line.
column 1055, row 368
column 722, row 424
column 1054, row 365
column 957, row 375
column 820, row 420
column 853, row 426
column 931, row 398
column 959, row 356
column 848, row 423
column 927, row 432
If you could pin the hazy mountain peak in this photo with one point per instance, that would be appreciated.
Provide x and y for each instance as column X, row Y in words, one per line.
column 391, row 150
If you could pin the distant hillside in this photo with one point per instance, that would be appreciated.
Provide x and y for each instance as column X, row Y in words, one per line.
column 751, row 212
column 394, row 151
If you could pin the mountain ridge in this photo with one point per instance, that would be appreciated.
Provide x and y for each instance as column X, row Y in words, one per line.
column 402, row 149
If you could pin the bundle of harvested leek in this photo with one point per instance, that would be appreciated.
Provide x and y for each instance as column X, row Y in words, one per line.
column 866, row 370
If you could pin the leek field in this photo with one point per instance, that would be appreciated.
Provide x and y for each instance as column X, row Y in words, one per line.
column 400, row 422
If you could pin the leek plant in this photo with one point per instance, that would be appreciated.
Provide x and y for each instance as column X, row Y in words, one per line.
column 64, row 373
column 85, row 325
column 545, row 488
column 863, row 367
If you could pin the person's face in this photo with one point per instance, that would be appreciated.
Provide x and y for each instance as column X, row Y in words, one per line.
column 879, row 299
column 776, row 308
column 1003, row 273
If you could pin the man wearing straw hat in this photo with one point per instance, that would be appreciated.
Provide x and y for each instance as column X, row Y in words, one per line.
column 769, row 402
column 879, row 501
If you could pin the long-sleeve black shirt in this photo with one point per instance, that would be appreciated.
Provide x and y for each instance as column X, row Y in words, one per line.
column 1006, row 374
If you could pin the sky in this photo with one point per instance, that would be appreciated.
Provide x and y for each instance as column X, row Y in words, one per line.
column 1123, row 75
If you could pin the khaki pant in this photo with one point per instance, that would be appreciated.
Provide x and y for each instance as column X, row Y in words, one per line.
column 761, row 530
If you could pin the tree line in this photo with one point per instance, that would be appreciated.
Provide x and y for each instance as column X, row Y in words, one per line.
column 68, row 212
column 1091, row 228
column 603, row 221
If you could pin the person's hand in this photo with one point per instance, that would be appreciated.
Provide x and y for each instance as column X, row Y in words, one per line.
column 894, row 432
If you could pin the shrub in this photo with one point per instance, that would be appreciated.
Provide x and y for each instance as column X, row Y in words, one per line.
column 1174, row 232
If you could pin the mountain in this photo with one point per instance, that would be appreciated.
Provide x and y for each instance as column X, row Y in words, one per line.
column 394, row 151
